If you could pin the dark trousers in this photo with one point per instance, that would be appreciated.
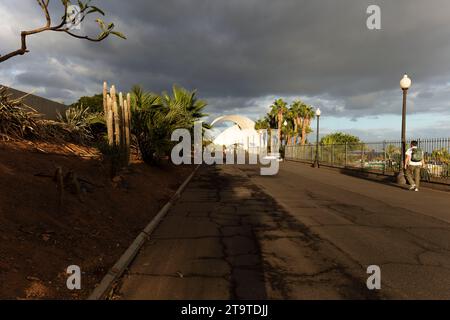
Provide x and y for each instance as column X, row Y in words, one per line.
column 413, row 175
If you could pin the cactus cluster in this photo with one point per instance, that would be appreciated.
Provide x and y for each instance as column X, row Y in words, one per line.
column 118, row 121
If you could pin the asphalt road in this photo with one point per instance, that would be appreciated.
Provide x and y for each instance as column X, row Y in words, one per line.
column 303, row 234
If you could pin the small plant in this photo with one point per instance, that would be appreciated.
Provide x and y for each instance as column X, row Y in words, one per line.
column 441, row 155
column 112, row 154
column 76, row 123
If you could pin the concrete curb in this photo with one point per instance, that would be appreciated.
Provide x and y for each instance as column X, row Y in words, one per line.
column 127, row 257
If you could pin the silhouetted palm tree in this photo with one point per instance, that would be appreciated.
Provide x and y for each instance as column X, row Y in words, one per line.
column 277, row 110
column 306, row 114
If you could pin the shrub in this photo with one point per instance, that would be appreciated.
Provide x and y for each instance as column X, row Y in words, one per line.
column 77, row 124
column 112, row 154
column 18, row 121
column 95, row 103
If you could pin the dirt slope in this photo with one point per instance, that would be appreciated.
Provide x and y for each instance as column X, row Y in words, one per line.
column 38, row 241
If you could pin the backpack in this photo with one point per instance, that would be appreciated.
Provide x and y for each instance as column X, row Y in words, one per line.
column 417, row 155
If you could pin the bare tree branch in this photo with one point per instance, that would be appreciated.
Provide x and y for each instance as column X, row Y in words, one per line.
column 86, row 9
column 81, row 37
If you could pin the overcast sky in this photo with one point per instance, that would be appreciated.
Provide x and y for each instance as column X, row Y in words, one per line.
column 242, row 54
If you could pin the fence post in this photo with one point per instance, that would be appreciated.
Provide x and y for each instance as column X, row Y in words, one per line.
column 362, row 156
column 332, row 155
column 321, row 153
column 346, row 155
column 384, row 157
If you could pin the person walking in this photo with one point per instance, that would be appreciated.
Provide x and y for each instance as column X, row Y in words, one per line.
column 413, row 164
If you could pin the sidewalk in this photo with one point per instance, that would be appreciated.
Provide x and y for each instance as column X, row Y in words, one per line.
column 205, row 247
column 226, row 239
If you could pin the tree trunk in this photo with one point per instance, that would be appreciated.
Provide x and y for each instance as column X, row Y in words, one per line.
column 298, row 121
column 304, row 122
column 307, row 125
column 280, row 122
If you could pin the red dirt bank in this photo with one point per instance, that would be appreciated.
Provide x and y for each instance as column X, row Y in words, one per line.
column 38, row 241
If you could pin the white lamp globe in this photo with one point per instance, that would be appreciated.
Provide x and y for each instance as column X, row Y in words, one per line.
column 318, row 112
column 405, row 83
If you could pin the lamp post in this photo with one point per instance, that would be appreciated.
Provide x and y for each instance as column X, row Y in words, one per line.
column 405, row 84
column 316, row 163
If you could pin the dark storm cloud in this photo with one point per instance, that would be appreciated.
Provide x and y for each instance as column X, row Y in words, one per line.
column 50, row 80
column 239, row 54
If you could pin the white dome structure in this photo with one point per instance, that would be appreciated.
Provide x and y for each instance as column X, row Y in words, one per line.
column 243, row 122
column 243, row 133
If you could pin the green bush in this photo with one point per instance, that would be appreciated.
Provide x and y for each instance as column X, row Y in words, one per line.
column 113, row 154
column 77, row 124
column 95, row 103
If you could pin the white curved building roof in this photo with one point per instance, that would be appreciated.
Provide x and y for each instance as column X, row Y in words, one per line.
column 242, row 133
column 230, row 136
column 243, row 122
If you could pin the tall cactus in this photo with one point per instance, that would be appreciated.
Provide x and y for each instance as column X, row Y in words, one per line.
column 117, row 118
column 109, row 117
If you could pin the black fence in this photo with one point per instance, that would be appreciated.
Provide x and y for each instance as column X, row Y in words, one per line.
column 381, row 157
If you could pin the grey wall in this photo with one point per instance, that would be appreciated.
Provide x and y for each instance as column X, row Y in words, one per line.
column 47, row 108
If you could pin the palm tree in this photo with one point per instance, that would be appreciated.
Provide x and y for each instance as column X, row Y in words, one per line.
column 262, row 124
column 186, row 100
column 277, row 110
column 146, row 124
column 306, row 114
column 155, row 117
column 295, row 110
column 271, row 120
column 289, row 130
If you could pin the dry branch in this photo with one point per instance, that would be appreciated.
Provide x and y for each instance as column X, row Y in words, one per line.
column 85, row 10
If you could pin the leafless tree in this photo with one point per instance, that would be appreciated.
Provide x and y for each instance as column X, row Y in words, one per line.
column 65, row 25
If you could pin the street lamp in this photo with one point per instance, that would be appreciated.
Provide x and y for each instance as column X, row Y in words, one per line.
column 316, row 161
column 405, row 84
column 285, row 123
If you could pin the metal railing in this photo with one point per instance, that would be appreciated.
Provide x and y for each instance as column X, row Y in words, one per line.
column 381, row 157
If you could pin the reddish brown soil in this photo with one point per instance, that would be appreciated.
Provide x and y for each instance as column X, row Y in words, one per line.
column 38, row 241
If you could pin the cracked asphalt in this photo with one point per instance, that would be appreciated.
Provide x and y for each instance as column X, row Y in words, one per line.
column 303, row 234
